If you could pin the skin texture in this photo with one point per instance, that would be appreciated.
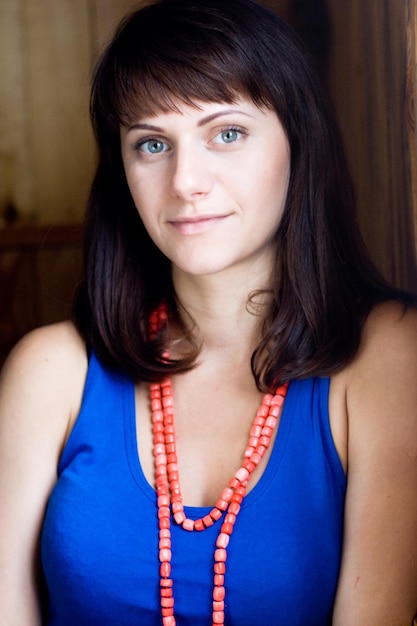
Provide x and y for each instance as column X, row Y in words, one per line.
column 372, row 401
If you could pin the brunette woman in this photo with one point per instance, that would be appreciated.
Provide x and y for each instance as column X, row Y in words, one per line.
column 227, row 432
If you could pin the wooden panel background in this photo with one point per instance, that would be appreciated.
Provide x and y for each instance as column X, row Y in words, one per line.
column 411, row 114
column 47, row 51
column 367, row 79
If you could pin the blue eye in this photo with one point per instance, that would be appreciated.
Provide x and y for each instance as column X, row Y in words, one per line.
column 230, row 135
column 151, row 146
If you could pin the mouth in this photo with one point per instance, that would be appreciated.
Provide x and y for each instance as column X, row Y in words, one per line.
column 197, row 225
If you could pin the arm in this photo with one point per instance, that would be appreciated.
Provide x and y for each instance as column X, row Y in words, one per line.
column 378, row 579
column 40, row 393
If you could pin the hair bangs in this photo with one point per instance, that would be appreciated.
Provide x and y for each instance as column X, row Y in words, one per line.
column 176, row 61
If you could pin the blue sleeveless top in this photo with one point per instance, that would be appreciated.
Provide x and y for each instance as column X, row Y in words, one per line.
column 99, row 544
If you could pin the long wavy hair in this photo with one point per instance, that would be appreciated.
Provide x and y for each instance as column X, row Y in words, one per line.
column 323, row 287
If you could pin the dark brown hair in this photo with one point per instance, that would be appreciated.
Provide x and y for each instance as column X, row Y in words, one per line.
column 324, row 285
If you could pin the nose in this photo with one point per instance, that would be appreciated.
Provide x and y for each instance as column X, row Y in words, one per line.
column 192, row 174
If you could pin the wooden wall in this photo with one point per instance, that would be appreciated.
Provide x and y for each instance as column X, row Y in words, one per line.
column 371, row 50
column 47, row 50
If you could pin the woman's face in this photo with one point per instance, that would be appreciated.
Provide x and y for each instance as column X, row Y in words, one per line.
column 209, row 183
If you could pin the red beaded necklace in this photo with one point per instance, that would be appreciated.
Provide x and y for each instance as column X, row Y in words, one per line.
column 169, row 490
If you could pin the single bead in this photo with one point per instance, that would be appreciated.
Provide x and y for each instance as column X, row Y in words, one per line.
column 177, row 506
column 247, row 464
column 223, row 540
column 275, row 410
column 220, row 555
column 160, row 459
column 242, row 474
column 170, row 448
column 233, row 483
column 226, row 494
column 163, row 511
column 179, row 518
column 255, row 458
column 241, row 490
column 169, row 621
column 237, row 498
column 165, row 570
column 248, row 452
column 261, row 412
column 255, row 431
column 261, row 450
column 160, row 470
column 167, row 603
column 165, row 542
column 157, row 416
column 165, row 555
column 221, row 505
column 188, row 524
column 219, row 579
column 164, row 522
column 278, row 399
column 160, row 481
column 167, row 592
column 218, row 606
column 220, row 568
column 199, row 525
column 264, row 441
column 267, row 399
column 219, row 594
column 166, row 582
column 164, row 533
column 163, row 501
column 227, row 528
column 230, row 518
column 167, row 401
column 218, row 617
column 208, row 521
column 267, row 431
column 234, row 508
column 215, row 514
column 156, row 405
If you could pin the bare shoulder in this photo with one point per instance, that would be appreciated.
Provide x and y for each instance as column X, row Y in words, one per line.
column 390, row 330
column 41, row 387
column 382, row 382
column 54, row 342
column 381, row 504
column 47, row 366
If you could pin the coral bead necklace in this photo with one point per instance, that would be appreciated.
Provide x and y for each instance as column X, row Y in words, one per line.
column 168, row 488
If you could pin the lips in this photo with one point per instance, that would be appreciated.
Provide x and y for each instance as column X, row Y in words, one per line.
column 197, row 225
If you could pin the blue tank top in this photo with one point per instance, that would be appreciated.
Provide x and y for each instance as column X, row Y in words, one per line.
column 99, row 545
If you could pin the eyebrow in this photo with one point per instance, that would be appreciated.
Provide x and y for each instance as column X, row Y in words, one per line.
column 202, row 122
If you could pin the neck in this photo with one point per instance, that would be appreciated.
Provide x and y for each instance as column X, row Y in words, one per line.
column 220, row 307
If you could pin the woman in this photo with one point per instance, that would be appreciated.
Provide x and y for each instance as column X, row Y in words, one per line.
column 228, row 431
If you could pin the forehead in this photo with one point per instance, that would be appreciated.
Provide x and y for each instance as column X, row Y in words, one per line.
column 202, row 112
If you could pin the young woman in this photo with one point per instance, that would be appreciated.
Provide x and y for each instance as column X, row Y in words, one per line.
column 227, row 433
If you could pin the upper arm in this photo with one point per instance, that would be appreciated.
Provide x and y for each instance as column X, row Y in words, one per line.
column 378, row 579
column 40, row 391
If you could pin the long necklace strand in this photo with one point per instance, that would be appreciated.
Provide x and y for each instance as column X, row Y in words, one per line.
column 168, row 489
